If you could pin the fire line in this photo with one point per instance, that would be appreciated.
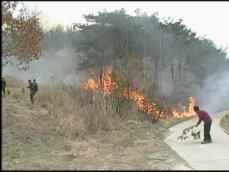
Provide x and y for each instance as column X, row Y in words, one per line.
column 141, row 102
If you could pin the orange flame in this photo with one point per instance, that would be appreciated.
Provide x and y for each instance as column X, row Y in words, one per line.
column 91, row 84
column 142, row 104
column 108, row 84
column 181, row 111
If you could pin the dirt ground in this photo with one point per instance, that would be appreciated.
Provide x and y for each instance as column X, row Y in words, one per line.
column 135, row 144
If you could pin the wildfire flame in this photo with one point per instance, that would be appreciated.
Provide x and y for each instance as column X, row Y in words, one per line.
column 91, row 84
column 141, row 102
column 181, row 111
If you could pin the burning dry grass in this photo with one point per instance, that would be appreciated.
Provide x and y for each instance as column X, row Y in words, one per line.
column 37, row 140
column 113, row 83
column 76, row 112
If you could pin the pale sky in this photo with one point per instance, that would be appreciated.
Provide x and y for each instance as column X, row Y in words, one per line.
column 208, row 19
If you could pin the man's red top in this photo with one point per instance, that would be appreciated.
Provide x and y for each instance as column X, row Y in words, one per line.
column 203, row 116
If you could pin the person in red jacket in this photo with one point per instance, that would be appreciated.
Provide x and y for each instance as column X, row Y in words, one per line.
column 204, row 116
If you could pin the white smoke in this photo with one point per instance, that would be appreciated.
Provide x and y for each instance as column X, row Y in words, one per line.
column 58, row 67
column 214, row 96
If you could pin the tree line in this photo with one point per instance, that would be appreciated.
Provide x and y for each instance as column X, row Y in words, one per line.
column 153, row 54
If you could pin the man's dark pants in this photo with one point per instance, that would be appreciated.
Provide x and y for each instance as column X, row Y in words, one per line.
column 207, row 127
column 32, row 94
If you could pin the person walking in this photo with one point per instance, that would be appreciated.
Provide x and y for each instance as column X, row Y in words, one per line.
column 3, row 85
column 35, row 85
column 32, row 87
column 35, row 88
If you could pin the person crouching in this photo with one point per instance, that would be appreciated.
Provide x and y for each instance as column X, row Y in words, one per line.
column 204, row 116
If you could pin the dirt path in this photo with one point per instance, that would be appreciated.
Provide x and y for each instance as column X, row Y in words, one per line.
column 17, row 105
column 214, row 156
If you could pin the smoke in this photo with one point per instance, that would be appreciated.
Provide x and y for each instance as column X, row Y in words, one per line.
column 58, row 67
column 214, row 95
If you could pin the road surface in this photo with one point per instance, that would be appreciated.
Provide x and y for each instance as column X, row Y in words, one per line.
column 213, row 156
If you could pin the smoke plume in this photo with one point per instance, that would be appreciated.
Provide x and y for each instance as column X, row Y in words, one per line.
column 214, row 96
column 58, row 67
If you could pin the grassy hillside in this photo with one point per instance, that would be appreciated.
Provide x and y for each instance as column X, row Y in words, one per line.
column 63, row 130
column 14, row 82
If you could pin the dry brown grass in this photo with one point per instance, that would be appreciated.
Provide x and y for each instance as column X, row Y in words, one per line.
column 14, row 82
column 77, row 123
column 75, row 113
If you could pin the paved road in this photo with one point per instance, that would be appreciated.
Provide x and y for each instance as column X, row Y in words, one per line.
column 214, row 156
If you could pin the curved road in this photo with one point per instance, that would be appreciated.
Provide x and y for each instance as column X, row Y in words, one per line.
column 214, row 156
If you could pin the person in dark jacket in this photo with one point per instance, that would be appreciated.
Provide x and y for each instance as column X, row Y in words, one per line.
column 35, row 85
column 204, row 116
column 4, row 85
column 32, row 91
